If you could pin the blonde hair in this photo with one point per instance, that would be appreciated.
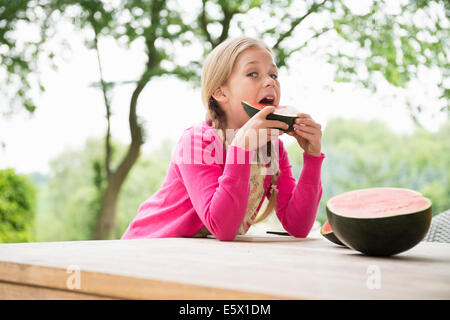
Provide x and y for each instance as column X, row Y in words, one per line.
column 216, row 70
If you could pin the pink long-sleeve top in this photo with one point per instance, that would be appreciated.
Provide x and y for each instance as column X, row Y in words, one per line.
column 206, row 186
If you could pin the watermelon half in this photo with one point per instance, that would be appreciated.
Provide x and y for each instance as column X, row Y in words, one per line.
column 328, row 233
column 285, row 114
column 380, row 221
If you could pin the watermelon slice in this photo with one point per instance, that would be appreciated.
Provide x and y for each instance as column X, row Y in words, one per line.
column 380, row 221
column 328, row 233
column 285, row 114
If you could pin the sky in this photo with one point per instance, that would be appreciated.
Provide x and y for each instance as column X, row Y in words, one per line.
column 71, row 111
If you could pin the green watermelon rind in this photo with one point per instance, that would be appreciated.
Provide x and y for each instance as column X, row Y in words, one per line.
column 332, row 237
column 289, row 120
column 383, row 236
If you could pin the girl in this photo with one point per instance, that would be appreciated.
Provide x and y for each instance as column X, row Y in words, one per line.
column 220, row 190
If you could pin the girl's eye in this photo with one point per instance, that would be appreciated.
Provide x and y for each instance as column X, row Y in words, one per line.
column 252, row 74
column 274, row 76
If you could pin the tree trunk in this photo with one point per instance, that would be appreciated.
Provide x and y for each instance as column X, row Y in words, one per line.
column 106, row 224
column 106, row 227
column 104, row 88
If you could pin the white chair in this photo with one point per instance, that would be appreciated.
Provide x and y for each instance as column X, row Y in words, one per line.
column 440, row 228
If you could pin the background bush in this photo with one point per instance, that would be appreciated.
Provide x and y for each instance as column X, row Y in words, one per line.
column 17, row 207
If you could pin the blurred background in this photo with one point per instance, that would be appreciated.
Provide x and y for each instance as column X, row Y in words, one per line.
column 95, row 94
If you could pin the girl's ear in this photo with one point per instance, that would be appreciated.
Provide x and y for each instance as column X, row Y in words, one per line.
column 220, row 95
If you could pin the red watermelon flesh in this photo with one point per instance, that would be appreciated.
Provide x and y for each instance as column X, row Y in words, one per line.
column 378, row 202
column 326, row 227
column 328, row 233
column 258, row 105
column 283, row 110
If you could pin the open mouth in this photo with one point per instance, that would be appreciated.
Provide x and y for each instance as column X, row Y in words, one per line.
column 267, row 101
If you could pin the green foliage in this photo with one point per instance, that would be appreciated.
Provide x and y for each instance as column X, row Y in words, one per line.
column 145, row 179
column 391, row 40
column 17, row 207
column 367, row 154
column 156, row 23
column 17, row 63
column 69, row 201
column 70, row 184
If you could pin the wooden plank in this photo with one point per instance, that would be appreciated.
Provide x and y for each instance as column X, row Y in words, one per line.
column 13, row 291
column 187, row 268
column 117, row 286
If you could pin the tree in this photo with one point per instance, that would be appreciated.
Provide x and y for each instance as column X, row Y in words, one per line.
column 391, row 40
column 17, row 207
column 375, row 42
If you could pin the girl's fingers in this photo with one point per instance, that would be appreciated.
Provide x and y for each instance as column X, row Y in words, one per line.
column 308, row 136
column 312, row 130
column 308, row 122
column 304, row 116
column 277, row 124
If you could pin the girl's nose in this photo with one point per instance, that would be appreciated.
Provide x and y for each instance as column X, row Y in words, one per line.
column 269, row 82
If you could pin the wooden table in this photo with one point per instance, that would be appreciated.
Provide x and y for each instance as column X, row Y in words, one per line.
column 250, row 268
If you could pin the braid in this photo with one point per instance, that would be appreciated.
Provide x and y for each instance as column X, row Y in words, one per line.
column 216, row 117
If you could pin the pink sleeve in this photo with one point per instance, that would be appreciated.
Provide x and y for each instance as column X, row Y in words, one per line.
column 298, row 202
column 219, row 194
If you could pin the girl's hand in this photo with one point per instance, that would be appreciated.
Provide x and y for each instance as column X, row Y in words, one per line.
column 308, row 134
column 258, row 130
